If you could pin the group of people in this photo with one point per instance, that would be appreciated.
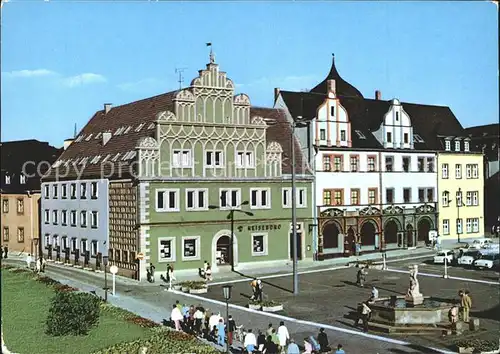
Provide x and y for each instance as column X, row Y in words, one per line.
column 39, row 263
column 465, row 306
column 206, row 272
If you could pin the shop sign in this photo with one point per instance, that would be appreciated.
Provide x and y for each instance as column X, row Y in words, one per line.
column 268, row 227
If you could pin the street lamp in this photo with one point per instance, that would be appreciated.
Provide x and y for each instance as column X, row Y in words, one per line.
column 230, row 216
column 35, row 242
column 105, row 263
column 226, row 291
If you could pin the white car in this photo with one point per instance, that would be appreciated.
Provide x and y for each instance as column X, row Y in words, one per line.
column 488, row 261
column 481, row 243
column 442, row 255
column 469, row 257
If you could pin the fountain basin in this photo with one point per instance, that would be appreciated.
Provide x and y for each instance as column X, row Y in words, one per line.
column 395, row 310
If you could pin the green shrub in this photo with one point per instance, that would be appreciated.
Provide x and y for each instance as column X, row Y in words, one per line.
column 72, row 313
column 271, row 303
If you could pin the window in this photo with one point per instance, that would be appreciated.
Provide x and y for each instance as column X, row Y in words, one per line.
column 444, row 170
column 475, row 171
column 181, row 158
column 167, row 200
column 475, row 198
column 421, row 195
column 457, row 145
column 65, row 242
column 354, row 196
column 196, row 199
column 244, row 159
column 7, row 179
column 83, row 190
column 430, row 194
column 389, row 137
column 459, row 199
column 47, row 239
column 214, row 159
column 54, row 217
column 230, row 198
column 430, row 164
column 389, row 195
column 73, row 217
column 361, row 136
column 259, row 244
column 372, row 196
column 337, row 163
column 475, row 225
column 466, row 146
column 354, row 163
column 327, row 163
column 54, row 190
column 64, row 217
column 371, row 163
column 83, row 218
column 64, row 191
column 446, row 227
column 5, row 205
column 417, row 138
column 166, row 249
column 20, row 206
column 447, row 145
column 405, row 138
column 332, row 111
column 406, row 163
column 342, row 135
column 118, row 255
column 301, row 197
column 407, row 195
column 93, row 190
column 322, row 134
column 286, row 199
column 73, row 190
column 55, row 240
column 468, row 171
column 46, row 216
column 260, row 198
column 459, row 226
column 397, row 116
column 124, row 256
column 420, row 164
column 46, row 191
column 83, row 246
column 327, row 197
column 74, row 244
column 445, row 199
column 5, row 236
column 94, row 219
column 338, row 197
column 458, row 171
column 468, row 198
column 389, row 163
column 190, row 248
column 94, row 248
column 22, row 180
column 468, row 225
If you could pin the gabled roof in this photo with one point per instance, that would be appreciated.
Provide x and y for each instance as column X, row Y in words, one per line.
column 128, row 115
column 480, row 131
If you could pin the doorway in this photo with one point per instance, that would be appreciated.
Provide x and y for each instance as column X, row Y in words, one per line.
column 423, row 227
column 299, row 245
column 223, row 254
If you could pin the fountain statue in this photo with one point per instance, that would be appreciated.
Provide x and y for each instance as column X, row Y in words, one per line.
column 413, row 296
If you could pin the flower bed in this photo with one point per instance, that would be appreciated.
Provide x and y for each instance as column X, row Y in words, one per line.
column 254, row 305
column 198, row 288
column 272, row 306
column 478, row 346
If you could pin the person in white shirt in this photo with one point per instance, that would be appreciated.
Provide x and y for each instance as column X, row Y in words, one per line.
column 250, row 342
column 213, row 320
column 176, row 317
column 283, row 334
column 29, row 260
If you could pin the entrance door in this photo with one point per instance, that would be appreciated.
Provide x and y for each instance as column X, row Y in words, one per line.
column 299, row 245
column 423, row 226
column 223, row 251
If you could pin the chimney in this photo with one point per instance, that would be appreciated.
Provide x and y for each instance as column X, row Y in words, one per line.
column 67, row 143
column 330, row 86
column 105, row 137
column 378, row 95
column 107, row 107
column 276, row 93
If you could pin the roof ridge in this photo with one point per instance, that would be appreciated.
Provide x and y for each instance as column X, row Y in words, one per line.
column 143, row 99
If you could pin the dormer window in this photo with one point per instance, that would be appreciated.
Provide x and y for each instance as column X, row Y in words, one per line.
column 342, row 135
column 417, row 138
column 22, row 179
column 322, row 134
column 138, row 129
column 466, row 146
column 7, row 179
column 332, row 111
column 405, row 138
column 88, row 137
column 360, row 134
column 447, row 145
column 389, row 137
column 457, row 145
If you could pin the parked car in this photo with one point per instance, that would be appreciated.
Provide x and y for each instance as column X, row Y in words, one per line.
column 481, row 242
column 468, row 258
column 444, row 254
column 488, row 261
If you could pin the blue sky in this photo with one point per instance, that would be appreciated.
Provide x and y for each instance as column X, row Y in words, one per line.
column 62, row 60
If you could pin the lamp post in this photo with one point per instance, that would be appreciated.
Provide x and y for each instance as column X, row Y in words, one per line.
column 445, row 276
column 230, row 216
column 226, row 291
column 105, row 263
column 35, row 241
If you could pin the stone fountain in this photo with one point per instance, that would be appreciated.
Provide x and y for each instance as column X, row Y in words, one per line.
column 412, row 312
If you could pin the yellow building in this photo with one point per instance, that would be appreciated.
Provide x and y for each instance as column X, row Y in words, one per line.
column 461, row 191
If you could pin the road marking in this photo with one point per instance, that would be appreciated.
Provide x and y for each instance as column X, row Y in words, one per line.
column 309, row 323
column 449, row 277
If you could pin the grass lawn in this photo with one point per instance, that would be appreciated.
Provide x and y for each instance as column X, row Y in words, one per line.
column 25, row 306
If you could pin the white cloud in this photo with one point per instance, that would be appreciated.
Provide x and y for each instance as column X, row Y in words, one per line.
column 83, row 79
column 29, row 73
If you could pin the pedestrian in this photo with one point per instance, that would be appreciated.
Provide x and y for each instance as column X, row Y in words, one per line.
column 270, row 347
column 261, row 341
column 38, row 266
column 176, row 317
column 466, row 304
column 275, row 338
column 253, row 284
column 202, row 271
column 453, row 315
column 221, row 333
column 308, row 348
column 250, row 342
column 293, row 348
column 360, row 277
column 214, row 320
column 208, row 274
column 364, row 314
column 198, row 320
column 269, row 330
column 374, row 294
column 152, row 272
column 231, row 327
column 5, row 251
column 44, row 263
column 323, row 341
column 340, row 349
column 171, row 276
column 283, row 335
column 314, row 344
column 29, row 260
